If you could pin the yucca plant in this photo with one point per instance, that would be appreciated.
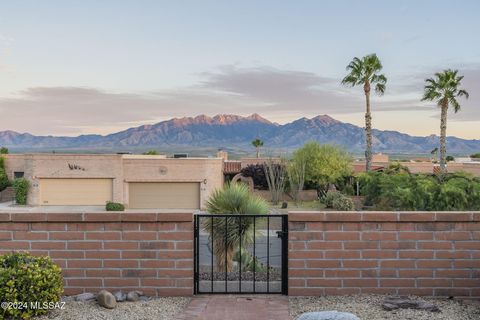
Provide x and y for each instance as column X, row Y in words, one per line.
column 228, row 233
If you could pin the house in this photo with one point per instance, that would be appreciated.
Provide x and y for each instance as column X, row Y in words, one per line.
column 138, row 181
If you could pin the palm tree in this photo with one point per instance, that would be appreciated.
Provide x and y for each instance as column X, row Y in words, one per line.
column 444, row 89
column 365, row 72
column 257, row 143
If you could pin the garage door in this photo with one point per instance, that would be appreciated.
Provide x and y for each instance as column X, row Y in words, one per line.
column 165, row 195
column 86, row 192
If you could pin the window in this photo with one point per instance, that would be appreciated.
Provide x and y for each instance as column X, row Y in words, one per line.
column 18, row 174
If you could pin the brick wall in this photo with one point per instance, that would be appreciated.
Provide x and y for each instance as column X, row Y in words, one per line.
column 423, row 253
column 148, row 251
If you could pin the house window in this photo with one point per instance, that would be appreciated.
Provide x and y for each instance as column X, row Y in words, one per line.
column 18, row 174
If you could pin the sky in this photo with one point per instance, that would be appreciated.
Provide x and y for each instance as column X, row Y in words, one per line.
column 78, row 67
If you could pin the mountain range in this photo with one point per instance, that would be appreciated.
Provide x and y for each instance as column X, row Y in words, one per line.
column 235, row 132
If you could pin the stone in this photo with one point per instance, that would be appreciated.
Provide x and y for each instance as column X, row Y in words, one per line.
column 87, row 296
column 106, row 299
column 394, row 303
column 134, row 295
column 328, row 315
column 120, row 296
column 284, row 205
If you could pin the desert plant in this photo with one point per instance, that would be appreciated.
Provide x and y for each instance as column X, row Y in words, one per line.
column 3, row 150
column 324, row 165
column 21, row 187
column 444, row 89
column 296, row 176
column 248, row 261
column 276, row 174
column 228, row 233
column 114, row 206
column 4, row 182
column 257, row 173
column 28, row 279
column 343, row 203
column 329, row 197
column 365, row 72
column 475, row 155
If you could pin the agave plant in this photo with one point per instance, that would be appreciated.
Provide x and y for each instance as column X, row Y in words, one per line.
column 229, row 233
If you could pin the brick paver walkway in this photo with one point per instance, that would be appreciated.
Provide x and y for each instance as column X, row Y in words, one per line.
column 237, row 307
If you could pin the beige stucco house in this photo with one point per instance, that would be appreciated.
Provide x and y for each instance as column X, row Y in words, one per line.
column 138, row 181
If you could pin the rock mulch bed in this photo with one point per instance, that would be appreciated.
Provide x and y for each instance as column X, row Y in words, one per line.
column 274, row 275
column 370, row 307
column 154, row 309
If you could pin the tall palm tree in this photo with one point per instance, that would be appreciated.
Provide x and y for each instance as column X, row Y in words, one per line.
column 365, row 72
column 444, row 89
column 257, row 143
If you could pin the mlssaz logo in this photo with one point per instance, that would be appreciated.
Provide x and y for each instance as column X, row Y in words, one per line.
column 75, row 167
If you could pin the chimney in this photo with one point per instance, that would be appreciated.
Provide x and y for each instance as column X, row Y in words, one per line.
column 222, row 154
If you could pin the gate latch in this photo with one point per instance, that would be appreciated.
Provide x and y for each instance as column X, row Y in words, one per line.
column 281, row 234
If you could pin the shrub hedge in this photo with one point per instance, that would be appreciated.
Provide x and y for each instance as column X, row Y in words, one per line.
column 4, row 182
column 28, row 279
column 21, row 187
column 404, row 191
column 114, row 206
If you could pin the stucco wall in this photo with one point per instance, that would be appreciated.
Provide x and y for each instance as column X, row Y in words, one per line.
column 121, row 168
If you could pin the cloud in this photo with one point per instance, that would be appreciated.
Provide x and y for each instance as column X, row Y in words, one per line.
column 280, row 95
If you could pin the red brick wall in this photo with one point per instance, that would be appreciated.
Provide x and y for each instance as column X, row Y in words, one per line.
column 148, row 251
column 424, row 253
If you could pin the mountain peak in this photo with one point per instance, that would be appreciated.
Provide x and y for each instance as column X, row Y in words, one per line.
column 325, row 119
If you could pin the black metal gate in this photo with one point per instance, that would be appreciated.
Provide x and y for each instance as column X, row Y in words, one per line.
column 240, row 253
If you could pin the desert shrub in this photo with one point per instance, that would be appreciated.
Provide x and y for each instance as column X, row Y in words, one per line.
column 4, row 182
column 257, row 173
column 3, row 150
column 343, row 203
column 21, row 187
column 114, row 206
column 151, row 153
column 325, row 165
column 403, row 191
column 232, row 199
column 475, row 155
column 329, row 197
column 26, row 278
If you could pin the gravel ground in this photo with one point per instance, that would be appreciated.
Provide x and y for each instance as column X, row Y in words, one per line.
column 274, row 275
column 369, row 307
column 155, row 309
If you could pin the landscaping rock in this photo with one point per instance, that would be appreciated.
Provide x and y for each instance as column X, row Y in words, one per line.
column 87, row 296
column 134, row 295
column 393, row 303
column 328, row 315
column 120, row 296
column 106, row 299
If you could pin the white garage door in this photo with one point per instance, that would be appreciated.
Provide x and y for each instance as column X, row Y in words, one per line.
column 87, row 192
column 164, row 195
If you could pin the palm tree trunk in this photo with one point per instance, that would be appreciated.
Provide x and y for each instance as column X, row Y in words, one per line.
column 443, row 138
column 258, row 152
column 368, row 129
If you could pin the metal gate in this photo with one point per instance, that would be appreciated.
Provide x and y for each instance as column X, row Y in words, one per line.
column 240, row 253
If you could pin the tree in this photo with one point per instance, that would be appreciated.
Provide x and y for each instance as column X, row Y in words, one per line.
column 275, row 171
column 257, row 143
column 151, row 153
column 296, row 176
column 365, row 72
column 324, row 164
column 3, row 150
column 444, row 89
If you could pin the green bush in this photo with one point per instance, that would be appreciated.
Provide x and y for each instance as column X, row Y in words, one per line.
column 404, row 191
column 28, row 279
column 4, row 182
column 114, row 206
column 475, row 155
column 233, row 198
column 329, row 197
column 343, row 203
column 21, row 187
